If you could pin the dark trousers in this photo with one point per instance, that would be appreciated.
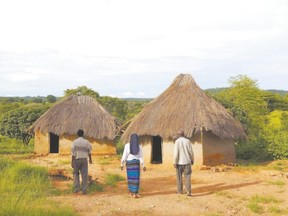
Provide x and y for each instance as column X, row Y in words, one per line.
column 187, row 171
column 82, row 166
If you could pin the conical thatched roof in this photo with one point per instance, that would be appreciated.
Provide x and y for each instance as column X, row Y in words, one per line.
column 75, row 112
column 184, row 105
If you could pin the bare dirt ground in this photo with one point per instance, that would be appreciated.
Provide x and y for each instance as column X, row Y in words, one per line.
column 228, row 192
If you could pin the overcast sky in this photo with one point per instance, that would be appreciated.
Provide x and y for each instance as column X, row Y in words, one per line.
column 131, row 48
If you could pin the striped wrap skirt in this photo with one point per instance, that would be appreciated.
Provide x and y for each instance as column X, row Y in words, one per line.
column 133, row 175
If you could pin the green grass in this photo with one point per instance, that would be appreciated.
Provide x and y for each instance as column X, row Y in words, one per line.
column 264, row 199
column 25, row 190
column 278, row 211
column 64, row 162
column 281, row 165
column 226, row 194
column 14, row 146
column 255, row 207
column 95, row 187
column 258, row 204
column 277, row 183
column 112, row 179
column 105, row 160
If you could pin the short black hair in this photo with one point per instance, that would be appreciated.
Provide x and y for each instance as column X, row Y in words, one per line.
column 80, row 133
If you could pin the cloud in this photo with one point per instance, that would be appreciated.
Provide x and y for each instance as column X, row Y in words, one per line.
column 117, row 47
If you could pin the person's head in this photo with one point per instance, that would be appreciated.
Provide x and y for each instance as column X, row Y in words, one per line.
column 80, row 133
column 134, row 144
column 180, row 132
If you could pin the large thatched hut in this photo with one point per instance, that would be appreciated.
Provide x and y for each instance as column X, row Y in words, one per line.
column 57, row 128
column 209, row 126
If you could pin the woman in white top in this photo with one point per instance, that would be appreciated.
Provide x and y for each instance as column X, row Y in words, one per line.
column 132, row 155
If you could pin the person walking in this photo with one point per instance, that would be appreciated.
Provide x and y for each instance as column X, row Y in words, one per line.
column 132, row 155
column 183, row 160
column 81, row 150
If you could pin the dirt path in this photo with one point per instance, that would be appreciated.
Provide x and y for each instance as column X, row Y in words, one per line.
column 214, row 193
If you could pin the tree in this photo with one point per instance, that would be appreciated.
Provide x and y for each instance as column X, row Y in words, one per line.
column 16, row 122
column 117, row 107
column 82, row 90
column 51, row 99
column 277, row 134
column 247, row 101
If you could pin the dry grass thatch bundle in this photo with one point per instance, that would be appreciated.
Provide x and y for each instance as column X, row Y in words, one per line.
column 75, row 112
column 184, row 105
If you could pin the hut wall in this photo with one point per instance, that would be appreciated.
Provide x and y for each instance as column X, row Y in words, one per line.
column 99, row 147
column 41, row 143
column 217, row 151
column 168, row 150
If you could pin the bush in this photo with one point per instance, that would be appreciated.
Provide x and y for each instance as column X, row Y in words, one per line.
column 25, row 190
column 278, row 147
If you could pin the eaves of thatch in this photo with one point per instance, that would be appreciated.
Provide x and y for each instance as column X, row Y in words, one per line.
column 75, row 112
column 184, row 105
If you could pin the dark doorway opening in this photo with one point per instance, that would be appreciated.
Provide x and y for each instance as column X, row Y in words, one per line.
column 156, row 150
column 54, row 143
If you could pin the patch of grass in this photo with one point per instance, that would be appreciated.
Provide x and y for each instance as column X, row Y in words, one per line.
column 25, row 190
column 112, row 179
column 264, row 199
column 278, row 211
column 225, row 194
column 95, row 187
column 64, row 162
column 281, row 165
column 258, row 204
column 251, row 167
column 105, row 160
column 255, row 207
column 14, row 146
column 277, row 183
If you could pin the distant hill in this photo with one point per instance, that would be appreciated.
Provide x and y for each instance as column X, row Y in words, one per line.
column 280, row 92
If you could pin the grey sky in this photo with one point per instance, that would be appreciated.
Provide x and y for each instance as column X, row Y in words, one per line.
column 136, row 48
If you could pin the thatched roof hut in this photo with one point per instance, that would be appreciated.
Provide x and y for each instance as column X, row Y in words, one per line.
column 69, row 115
column 184, row 105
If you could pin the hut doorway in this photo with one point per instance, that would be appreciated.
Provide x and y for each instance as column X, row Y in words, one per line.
column 156, row 150
column 54, row 143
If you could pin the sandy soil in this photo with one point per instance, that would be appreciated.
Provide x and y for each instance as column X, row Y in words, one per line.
column 226, row 192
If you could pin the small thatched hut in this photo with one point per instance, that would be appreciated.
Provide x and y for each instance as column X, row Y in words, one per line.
column 209, row 126
column 56, row 129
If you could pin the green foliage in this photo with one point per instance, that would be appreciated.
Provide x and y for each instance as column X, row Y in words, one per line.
column 276, row 134
column 25, row 190
column 112, row 179
column 275, row 101
column 117, row 107
column 257, row 203
column 263, row 117
column 82, row 90
column 119, row 146
column 51, row 99
column 95, row 186
column 14, row 146
column 16, row 122
column 135, row 107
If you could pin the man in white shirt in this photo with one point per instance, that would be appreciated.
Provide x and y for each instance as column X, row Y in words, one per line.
column 183, row 160
column 81, row 151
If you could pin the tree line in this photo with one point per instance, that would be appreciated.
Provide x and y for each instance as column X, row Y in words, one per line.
column 263, row 114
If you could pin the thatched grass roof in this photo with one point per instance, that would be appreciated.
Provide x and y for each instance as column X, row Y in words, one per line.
column 75, row 112
column 184, row 105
